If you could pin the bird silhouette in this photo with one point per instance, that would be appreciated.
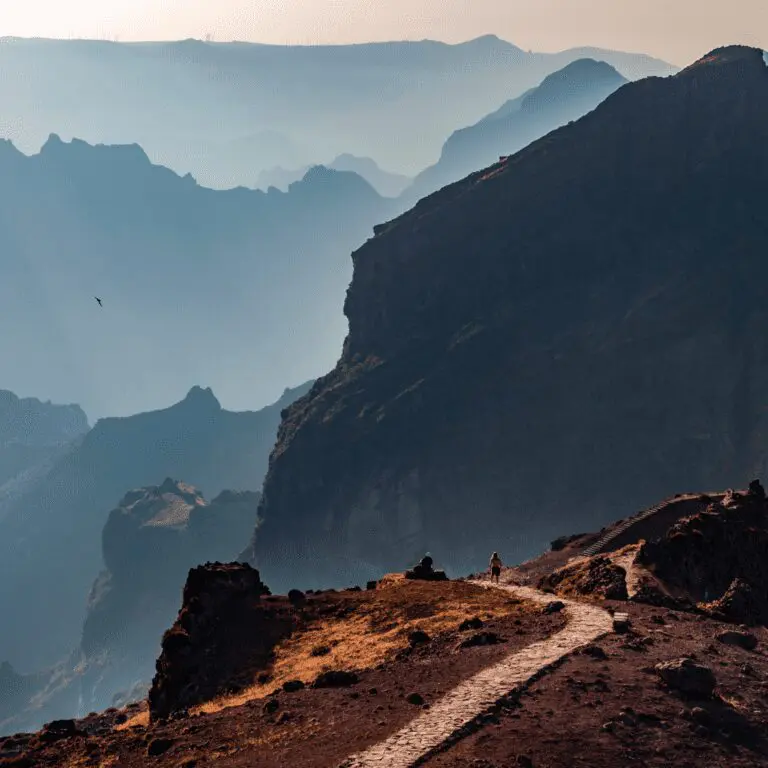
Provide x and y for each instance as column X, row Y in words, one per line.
column 98, row 300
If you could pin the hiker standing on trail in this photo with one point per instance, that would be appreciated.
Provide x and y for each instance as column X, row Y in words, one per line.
column 495, row 567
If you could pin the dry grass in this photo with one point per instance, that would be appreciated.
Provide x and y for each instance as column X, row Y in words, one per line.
column 376, row 629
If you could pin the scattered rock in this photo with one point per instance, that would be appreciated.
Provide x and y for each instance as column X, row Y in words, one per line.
column 474, row 623
column 621, row 624
column 480, row 638
column 415, row 698
column 741, row 603
column 418, row 637
column 688, row 677
column 745, row 640
column 554, row 607
column 159, row 746
column 335, row 679
column 59, row 729
column 595, row 651
column 296, row 597
column 701, row 716
column 320, row 650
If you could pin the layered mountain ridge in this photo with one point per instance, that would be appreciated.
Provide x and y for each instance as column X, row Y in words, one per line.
column 78, row 221
column 561, row 97
column 50, row 539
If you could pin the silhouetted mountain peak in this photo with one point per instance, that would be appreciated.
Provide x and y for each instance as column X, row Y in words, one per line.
column 571, row 81
column 728, row 54
column 200, row 398
column 77, row 149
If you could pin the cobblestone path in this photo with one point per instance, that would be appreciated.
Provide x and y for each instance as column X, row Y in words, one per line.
column 452, row 714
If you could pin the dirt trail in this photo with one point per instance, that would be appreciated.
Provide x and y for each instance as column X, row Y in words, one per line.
column 434, row 727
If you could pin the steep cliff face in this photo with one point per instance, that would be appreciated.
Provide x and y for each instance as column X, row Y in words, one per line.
column 546, row 345
column 51, row 538
column 150, row 542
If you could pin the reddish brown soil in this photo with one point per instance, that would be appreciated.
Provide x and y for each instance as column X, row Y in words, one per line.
column 562, row 720
column 311, row 727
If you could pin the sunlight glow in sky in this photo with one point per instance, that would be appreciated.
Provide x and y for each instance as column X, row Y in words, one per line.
column 678, row 31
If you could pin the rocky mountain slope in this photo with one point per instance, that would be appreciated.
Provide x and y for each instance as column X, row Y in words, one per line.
column 324, row 679
column 563, row 96
column 50, row 542
column 149, row 543
column 32, row 435
column 78, row 221
column 225, row 111
column 570, row 332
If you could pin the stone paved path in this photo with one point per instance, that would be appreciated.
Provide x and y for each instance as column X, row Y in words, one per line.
column 475, row 696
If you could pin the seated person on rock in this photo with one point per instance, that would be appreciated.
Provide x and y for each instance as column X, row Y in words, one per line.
column 425, row 571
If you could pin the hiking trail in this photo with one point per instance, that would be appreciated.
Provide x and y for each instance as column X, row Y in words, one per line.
column 450, row 717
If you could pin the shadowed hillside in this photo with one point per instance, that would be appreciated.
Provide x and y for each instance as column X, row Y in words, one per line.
column 576, row 330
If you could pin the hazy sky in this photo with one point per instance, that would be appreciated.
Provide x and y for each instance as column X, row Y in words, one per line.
column 676, row 30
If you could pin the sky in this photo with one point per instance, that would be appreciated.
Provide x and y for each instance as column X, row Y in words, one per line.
column 678, row 31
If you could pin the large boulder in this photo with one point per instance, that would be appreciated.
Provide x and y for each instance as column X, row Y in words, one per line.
column 687, row 677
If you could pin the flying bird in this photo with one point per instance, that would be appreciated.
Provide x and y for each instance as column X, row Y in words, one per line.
column 98, row 301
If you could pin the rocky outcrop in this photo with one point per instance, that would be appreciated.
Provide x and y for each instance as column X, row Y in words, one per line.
column 527, row 348
column 51, row 539
column 717, row 558
column 223, row 633
column 597, row 576
column 150, row 542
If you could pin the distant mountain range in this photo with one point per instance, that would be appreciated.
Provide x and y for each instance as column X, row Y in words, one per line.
column 241, row 288
column 226, row 111
column 548, row 344
column 33, row 435
column 562, row 97
column 385, row 183
column 50, row 537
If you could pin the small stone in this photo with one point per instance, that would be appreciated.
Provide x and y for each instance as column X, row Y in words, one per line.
column 474, row 623
column 595, row 651
column 418, row 637
column 415, row 698
column 745, row 640
column 335, row 678
column 159, row 746
column 480, row 638
column 699, row 715
column 554, row 607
